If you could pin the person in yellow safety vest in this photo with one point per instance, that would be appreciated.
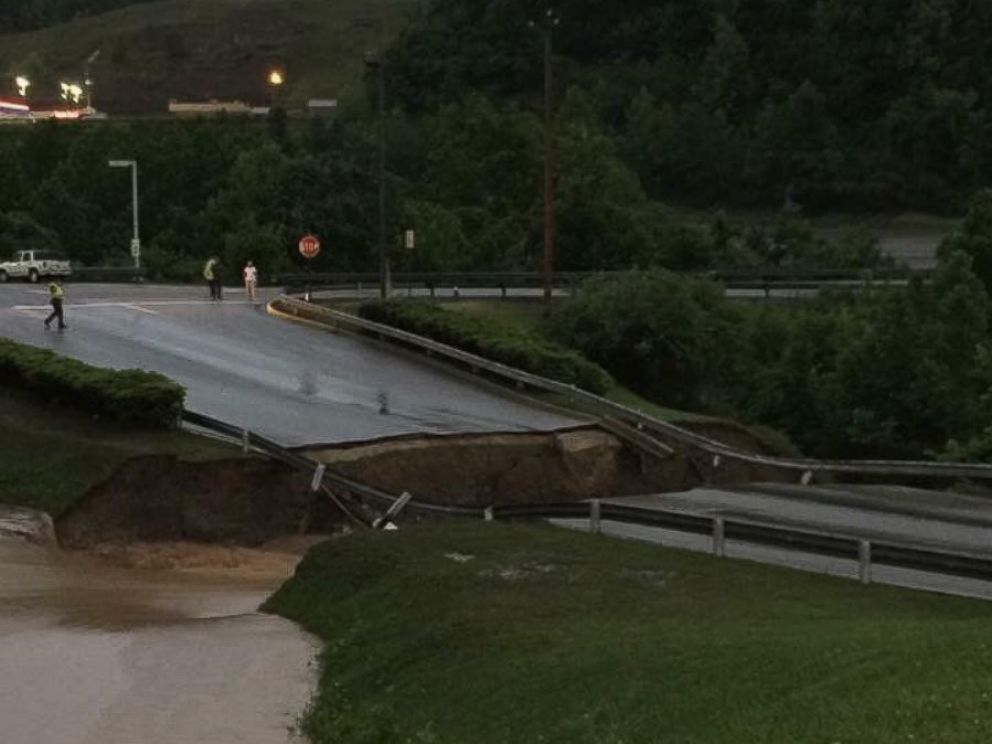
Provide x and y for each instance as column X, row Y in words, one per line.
column 211, row 272
column 57, row 295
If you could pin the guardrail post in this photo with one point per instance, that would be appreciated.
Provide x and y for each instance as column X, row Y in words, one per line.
column 864, row 561
column 245, row 441
column 595, row 522
column 430, row 286
column 487, row 514
column 719, row 538
column 318, row 477
column 394, row 509
column 502, row 289
column 456, row 293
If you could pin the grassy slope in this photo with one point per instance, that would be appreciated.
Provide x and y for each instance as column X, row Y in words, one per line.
column 195, row 48
column 49, row 458
column 546, row 635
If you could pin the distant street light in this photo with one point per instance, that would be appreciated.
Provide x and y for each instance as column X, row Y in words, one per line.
column 22, row 84
column 547, row 24
column 136, row 240
column 276, row 78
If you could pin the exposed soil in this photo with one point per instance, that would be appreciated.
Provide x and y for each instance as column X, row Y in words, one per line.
column 485, row 469
column 161, row 498
column 154, row 507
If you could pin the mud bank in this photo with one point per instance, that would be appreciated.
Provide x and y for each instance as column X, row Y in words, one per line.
column 479, row 470
column 244, row 501
column 250, row 501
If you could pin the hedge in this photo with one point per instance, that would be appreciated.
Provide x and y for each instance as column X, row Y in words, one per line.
column 491, row 339
column 131, row 397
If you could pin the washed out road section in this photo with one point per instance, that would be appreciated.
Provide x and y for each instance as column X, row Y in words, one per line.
column 293, row 383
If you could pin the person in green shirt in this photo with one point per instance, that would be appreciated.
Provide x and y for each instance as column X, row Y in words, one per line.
column 211, row 272
column 57, row 296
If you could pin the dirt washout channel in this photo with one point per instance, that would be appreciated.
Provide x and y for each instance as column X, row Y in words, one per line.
column 94, row 654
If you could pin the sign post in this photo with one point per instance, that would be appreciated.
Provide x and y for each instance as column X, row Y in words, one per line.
column 309, row 248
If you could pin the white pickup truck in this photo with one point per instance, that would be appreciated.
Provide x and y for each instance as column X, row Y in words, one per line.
column 34, row 265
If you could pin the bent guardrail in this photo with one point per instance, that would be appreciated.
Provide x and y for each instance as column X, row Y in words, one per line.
column 805, row 467
column 719, row 528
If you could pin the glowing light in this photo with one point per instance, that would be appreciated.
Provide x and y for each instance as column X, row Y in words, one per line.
column 71, row 92
column 276, row 78
column 10, row 105
column 22, row 85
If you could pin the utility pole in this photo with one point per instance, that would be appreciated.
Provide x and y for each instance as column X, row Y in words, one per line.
column 384, row 268
column 547, row 24
column 136, row 239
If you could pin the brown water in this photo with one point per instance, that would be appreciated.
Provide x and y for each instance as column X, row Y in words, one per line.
column 91, row 654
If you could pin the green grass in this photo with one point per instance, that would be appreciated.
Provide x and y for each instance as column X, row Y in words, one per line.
column 195, row 48
column 549, row 636
column 49, row 458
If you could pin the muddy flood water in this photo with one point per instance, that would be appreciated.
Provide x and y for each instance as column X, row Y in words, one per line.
column 93, row 654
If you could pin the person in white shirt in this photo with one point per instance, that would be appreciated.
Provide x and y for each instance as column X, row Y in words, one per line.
column 251, row 280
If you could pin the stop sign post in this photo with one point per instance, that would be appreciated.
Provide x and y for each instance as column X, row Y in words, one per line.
column 309, row 249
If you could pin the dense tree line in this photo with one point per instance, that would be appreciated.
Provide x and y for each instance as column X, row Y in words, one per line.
column 466, row 178
column 886, row 371
column 851, row 103
column 26, row 15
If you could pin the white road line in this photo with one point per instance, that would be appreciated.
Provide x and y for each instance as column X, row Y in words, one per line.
column 141, row 309
column 131, row 305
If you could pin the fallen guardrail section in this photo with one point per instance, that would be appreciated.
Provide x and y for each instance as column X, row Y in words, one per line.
column 719, row 529
column 608, row 411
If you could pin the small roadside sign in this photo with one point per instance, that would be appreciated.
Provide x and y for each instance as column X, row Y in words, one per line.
column 309, row 246
column 410, row 240
column 135, row 248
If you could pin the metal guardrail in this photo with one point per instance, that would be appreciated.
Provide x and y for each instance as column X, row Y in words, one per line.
column 768, row 279
column 596, row 511
column 630, row 417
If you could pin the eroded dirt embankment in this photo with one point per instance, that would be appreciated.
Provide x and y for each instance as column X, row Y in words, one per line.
column 250, row 501
column 243, row 501
column 485, row 469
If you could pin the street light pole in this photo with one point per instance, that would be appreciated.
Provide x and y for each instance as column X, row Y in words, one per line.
column 136, row 240
column 385, row 274
column 547, row 25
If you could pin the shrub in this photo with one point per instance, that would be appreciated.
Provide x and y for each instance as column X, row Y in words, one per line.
column 131, row 397
column 491, row 339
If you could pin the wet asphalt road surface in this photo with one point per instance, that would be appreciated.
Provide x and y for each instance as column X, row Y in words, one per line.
column 939, row 520
column 292, row 383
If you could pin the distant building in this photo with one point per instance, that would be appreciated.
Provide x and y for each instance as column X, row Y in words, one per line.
column 322, row 106
column 208, row 108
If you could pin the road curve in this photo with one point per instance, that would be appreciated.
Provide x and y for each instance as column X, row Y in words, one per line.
column 294, row 384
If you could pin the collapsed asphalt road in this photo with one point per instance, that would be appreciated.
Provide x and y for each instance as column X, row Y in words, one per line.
column 292, row 383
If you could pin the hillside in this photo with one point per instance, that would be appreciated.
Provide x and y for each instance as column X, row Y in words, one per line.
column 201, row 49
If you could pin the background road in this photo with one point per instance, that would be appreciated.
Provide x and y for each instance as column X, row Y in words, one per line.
column 292, row 383
column 945, row 521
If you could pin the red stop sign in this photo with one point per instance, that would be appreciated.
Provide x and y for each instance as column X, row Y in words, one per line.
column 309, row 246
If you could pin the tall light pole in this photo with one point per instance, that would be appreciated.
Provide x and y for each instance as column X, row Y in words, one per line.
column 88, row 79
column 547, row 24
column 374, row 61
column 136, row 240
column 275, row 79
